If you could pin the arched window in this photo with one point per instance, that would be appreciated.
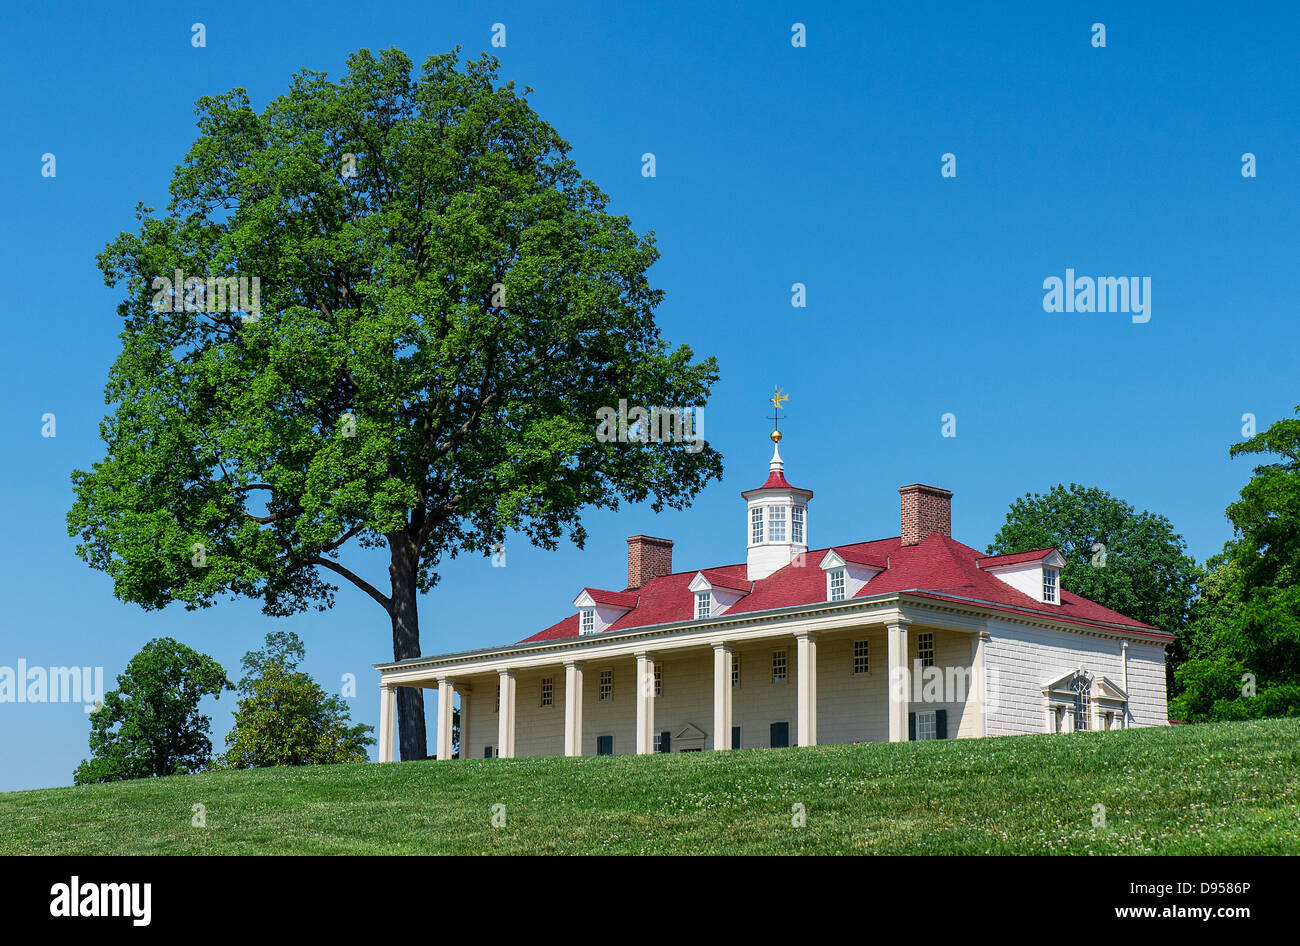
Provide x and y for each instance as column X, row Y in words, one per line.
column 1081, row 686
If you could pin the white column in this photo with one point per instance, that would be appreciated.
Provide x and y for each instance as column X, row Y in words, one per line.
column 464, row 691
column 645, row 704
column 722, row 696
column 387, row 715
column 443, row 743
column 573, row 708
column 900, row 690
column 978, row 695
column 806, row 696
column 506, row 718
column 1123, row 681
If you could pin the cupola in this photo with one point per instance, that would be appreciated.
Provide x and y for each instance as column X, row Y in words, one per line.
column 776, row 519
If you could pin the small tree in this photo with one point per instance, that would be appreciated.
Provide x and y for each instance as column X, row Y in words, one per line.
column 285, row 718
column 150, row 725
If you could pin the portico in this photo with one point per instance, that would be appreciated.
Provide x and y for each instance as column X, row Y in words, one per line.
column 736, row 683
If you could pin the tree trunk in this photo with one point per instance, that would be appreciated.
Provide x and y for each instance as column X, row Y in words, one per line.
column 406, row 644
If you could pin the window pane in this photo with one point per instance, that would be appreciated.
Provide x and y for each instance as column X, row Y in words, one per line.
column 838, row 584
column 925, row 726
column 776, row 523
column 925, row 649
column 778, row 666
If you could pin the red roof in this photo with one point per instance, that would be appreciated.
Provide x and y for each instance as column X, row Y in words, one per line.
column 1015, row 558
column 776, row 480
column 722, row 579
column 939, row 568
column 857, row 556
column 620, row 599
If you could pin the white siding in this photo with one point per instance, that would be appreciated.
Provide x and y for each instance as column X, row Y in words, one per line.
column 1020, row 659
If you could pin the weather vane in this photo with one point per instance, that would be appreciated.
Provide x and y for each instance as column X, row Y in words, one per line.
column 777, row 399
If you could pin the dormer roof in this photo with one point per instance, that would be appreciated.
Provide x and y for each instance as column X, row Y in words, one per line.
column 704, row 581
column 1050, row 557
column 853, row 555
column 590, row 597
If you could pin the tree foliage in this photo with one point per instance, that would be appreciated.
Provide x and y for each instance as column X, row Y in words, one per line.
column 1246, row 631
column 437, row 333
column 150, row 725
column 285, row 718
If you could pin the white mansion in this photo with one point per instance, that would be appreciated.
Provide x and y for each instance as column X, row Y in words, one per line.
column 912, row 637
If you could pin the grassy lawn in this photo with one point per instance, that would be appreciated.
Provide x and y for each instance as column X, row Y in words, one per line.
column 1227, row 788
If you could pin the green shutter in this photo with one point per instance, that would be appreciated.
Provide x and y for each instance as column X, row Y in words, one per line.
column 941, row 724
column 735, row 737
column 911, row 727
column 487, row 752
column 666, row 741
column 779, row 737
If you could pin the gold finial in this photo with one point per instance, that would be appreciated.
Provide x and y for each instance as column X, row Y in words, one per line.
column 777, row 399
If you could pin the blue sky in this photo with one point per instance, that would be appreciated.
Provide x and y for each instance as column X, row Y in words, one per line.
column 775, row 165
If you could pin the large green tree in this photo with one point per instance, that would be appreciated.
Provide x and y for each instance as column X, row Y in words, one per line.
column 1132, row 562
column 284, row 717
column 151, row 724
column 1245, row 645
column 445, row 305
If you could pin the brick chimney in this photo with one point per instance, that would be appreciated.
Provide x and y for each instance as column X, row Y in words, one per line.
column 647, row 557
column 925, row 509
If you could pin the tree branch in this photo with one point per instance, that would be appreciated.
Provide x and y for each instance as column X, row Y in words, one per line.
column 357, row 580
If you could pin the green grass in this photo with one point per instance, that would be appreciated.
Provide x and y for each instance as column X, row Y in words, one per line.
column 1227, row 788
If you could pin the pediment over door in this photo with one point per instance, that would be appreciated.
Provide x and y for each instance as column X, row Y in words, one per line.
column 689, row 736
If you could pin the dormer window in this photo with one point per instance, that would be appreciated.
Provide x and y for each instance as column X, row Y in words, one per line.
column 598, row 609
column 847, row 571
column 715, row 594
column 756, row 525
column 776, row 523
column 836, row 579
column 1036, row 574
